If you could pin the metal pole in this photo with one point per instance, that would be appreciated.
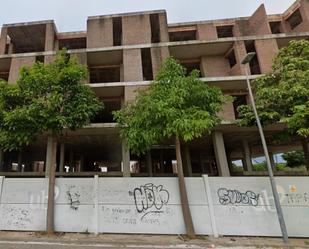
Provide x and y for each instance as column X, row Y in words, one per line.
column 270, row 171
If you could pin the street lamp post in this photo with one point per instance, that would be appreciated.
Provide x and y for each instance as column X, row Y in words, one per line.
column 245, row 61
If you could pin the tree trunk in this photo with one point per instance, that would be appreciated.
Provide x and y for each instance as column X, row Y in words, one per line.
column 305, row 143
column 183, row 193
column 51, row 187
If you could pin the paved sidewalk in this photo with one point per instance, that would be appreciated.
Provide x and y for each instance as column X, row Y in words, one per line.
column 24, row 240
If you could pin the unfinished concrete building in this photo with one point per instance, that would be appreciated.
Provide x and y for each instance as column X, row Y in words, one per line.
column 123, row 53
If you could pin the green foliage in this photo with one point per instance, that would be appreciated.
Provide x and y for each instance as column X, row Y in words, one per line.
column 46, row 98
column 174, row 105
column 283, row 95
column 259, row 166
column 294, row 158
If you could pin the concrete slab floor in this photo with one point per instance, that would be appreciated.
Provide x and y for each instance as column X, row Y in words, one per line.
column 75, row 240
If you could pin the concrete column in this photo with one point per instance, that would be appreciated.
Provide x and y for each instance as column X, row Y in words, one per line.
column 149, row 164
column 72, row 158
column 125, row 161
column 220, row 154
column 19, row 160
column 49, row 37
column 11, row 48
column 132, row 65
column 187, row 161
column 161, row 162
column 1, row 160
column 305, row 145
column 49, row 154
column 247, row 156
column 240, row 53
column 82, row 162
column 16, row 64
column 3, row 39
column 272, row 161
column 62, row 154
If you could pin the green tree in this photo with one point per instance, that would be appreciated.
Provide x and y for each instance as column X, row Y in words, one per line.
column 47, row 99
column 283, row 94
column 176, row 107
column 294, row 158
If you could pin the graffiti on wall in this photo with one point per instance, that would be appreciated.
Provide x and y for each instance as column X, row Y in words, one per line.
column 232, row 196
column 150, row 199
column 73, row 196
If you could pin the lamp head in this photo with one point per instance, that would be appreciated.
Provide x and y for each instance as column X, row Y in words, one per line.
column 248, row 58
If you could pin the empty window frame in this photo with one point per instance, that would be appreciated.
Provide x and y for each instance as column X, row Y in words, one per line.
column 225, row 31
column 191, row 65
column 4, row 75
column 295, row 19
column 117, row 31
column 147, row 64
column 106, row 114
column 104, row 74
column 73, row 43
column 155, row 28
column 254, row 63
column 238, row 101
column 187, row 35
column 275, row 27
column 39, row 58
column 231, row 58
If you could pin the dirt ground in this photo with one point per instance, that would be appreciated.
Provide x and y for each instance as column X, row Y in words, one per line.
column 205, row 241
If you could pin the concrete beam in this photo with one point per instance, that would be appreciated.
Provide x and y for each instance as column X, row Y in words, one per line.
column 220, row 154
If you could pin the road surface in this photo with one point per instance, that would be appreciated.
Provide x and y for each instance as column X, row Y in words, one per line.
column 61, row 245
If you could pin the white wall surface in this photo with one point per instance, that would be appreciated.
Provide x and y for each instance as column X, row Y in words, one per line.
column 236, row 205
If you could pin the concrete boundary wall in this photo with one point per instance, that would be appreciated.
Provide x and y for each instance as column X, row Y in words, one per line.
column 219, row 205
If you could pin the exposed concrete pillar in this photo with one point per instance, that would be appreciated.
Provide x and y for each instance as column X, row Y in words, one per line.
column 158, row 56
column 19, row 160
column 49, row 154
column 125, row 160
column 220, row 154
column 161, row 162
column 71, row 158
column 16, row 64
column 305, row 145
column 266, row 50
column 247, row 156
column 11, row 48
column 3, row 39
column 149, row 164
column 132, row 65
column 272, row 161
column 82, row 162
column 50, row 37
column 62, row 155
column 187, row 161
column 1, row 160
column 240, row 53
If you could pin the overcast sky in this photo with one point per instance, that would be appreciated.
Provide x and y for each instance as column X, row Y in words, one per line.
column 71, row 15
